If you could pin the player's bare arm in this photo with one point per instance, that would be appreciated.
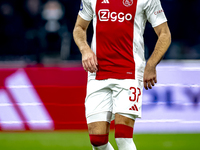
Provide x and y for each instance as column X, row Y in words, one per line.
column 89, row 59
column 163, row 42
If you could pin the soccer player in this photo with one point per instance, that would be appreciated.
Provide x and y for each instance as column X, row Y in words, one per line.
column 117, row 70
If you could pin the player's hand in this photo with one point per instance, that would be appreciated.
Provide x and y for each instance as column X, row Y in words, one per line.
column 89, row 60
column 150, row 78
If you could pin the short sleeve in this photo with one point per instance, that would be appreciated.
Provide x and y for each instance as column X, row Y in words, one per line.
column 154, row 12
column 86, row 11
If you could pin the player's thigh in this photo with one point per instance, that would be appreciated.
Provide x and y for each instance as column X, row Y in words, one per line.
column 100, row 127
column 120, row 119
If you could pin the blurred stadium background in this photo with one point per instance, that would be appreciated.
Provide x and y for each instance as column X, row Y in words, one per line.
column 42, row 83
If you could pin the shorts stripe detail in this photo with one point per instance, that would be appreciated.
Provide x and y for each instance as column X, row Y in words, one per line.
column 134, row 107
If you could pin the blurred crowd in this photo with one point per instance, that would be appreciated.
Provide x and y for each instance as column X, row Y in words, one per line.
column 34, row 29
column 184, row 23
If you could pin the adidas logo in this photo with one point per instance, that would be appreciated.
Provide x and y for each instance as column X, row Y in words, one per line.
column 134, row 107
column 105, row 2
column 21, row 107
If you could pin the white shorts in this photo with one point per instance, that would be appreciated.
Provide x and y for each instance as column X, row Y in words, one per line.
column 107, row 97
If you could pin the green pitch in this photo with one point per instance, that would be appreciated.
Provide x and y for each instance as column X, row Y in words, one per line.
column 80, row 141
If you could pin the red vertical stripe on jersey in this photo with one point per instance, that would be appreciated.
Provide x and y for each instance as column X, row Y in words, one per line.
column 114, row 39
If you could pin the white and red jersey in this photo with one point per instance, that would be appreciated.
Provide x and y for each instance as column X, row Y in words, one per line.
column 118, row 35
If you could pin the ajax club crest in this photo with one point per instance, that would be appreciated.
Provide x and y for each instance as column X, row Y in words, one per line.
column 128, row 3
